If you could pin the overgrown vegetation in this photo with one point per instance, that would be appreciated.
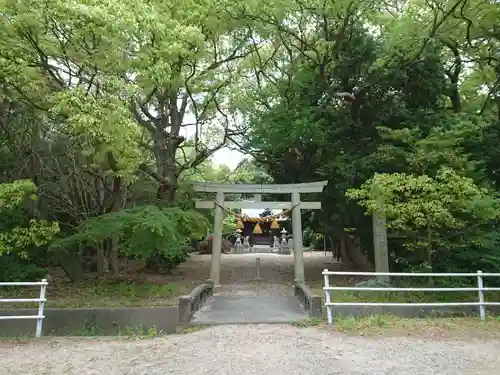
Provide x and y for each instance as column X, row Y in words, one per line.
column 387, row 325
column 92, row 329
column 99, row 293
column 308, row 322
column 109, row 110
column 400, row 113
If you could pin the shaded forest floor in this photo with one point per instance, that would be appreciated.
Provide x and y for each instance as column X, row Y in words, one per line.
column 138, row 287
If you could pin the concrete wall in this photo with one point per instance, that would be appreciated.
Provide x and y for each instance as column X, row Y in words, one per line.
column 92, row 321
column 136, row 320
column 410, row 311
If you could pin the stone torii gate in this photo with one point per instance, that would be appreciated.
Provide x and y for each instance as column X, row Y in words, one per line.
column 219, row 204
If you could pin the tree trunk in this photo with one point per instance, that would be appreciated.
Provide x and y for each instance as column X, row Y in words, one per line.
column 166, row 193
column 167, row 167
column 113, row 255
column 352, row 254
column 72, row 268
column 455, row 97
column 454, row 75
column 116, row 205
column 102, row 263
column 344, row 255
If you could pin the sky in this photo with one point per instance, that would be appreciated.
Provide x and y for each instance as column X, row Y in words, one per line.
column 223, row 156
column 226, row 156
column 229, row 157
column 255, row 213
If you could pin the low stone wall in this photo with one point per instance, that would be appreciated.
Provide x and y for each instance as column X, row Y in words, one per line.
column 410, row 311
column 194, row 301
column 92, row 321
column 137, row 320
column 108, row 320
column 311, row 302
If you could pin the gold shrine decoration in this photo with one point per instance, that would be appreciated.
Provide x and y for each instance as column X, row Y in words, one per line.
column 256, row 229
column 249, row 219
column 275, row 225
column 266, row 219
column 239, row 224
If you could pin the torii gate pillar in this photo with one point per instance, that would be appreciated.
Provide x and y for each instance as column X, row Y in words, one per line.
column 295, row 205
column 298, row 253
column 217, row 238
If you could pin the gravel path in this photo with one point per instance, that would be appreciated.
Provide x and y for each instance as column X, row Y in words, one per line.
column 249, row 350
column 241, row 268
column 254, row 290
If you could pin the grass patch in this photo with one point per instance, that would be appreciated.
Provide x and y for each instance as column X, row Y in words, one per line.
column 191, row 329
column 308, row 322
column 388, row 324
column 408, row 297
column 98, row 293
column 91, row 329
column 16, row 340
column 354, row 324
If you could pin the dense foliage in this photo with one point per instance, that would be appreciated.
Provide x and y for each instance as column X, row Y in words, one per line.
column 397, row 105
column 21, row 233
column 112, row 108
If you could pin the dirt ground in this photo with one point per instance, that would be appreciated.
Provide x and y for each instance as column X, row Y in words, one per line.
column 138, row 287
column 252, row 350
column 375, row 345
column 241, row 268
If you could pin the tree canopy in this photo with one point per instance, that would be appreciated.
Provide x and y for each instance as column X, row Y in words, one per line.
column 109, row 110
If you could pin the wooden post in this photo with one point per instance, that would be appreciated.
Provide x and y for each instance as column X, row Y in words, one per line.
column 217, row 239
column 380, row 245
column 297, row 238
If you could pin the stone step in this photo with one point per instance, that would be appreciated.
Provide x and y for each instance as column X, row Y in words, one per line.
column 250, row 310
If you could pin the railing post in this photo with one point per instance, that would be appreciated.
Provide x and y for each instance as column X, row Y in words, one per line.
column 184, row 309
column 482, row 310
column 327, row 298
column 41, row 304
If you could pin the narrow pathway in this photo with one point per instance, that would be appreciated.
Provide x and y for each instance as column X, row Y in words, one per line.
column 251, row 303
column 241, row 268
column 222, row 309
column 241, row 299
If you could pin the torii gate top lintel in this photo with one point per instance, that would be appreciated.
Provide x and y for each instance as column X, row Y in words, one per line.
column 295, row 205
column 308, row 187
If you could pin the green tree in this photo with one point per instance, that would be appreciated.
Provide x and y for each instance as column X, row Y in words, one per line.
column 21, row 234
column 346, row 69
column 125, row 78
column 425, row 210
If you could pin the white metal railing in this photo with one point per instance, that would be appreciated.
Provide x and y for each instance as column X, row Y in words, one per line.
column 41, row 303
column 480, row 289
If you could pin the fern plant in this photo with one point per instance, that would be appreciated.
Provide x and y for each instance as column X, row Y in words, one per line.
column 145, row 232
